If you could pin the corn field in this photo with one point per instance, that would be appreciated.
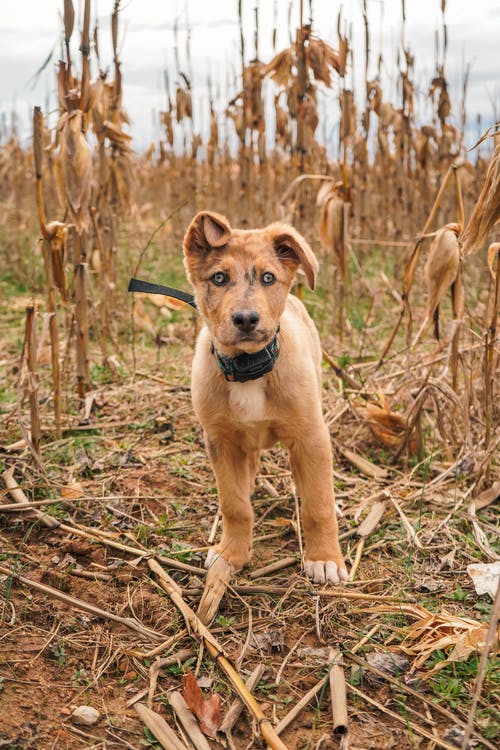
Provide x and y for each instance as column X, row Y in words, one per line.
column 108, row 502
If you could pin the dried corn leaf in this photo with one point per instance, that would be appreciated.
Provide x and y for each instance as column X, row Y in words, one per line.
column 442, row 631
column 493, row 254
column 487, row 209
column 388, row 426
column 321, row 57
column 331, row 228
column 74, row 168
column 72, row 491
column 442, row 267
column 57, row 243
column 117, row 137
column 279, row 69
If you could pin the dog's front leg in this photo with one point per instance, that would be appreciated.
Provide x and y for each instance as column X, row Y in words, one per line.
column 235, row 475
column 311, row 461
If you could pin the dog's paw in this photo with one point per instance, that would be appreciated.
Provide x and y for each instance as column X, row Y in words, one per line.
column 236, row 554
column 325, row 571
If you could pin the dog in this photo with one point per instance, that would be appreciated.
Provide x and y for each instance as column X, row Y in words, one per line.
column 256, row 380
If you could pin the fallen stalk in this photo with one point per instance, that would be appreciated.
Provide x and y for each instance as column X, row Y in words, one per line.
column 159, row 727
column 205, row 637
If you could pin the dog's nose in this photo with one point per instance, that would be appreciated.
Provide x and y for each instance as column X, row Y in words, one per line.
column 246, row 320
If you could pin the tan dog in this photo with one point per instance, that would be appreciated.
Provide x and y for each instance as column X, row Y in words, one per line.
column 257, row 379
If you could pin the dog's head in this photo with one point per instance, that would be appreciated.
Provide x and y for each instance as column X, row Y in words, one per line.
column 242, row 277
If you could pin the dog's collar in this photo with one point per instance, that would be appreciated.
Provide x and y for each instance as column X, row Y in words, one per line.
column 245, row 367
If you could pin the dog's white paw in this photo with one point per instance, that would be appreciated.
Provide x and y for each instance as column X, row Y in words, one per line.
column 321, row 571
column 213, row 555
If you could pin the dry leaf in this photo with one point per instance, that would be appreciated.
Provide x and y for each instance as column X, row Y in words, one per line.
column 488, row 496
column 485, row 576
column 72, row 491
column 206, row 710
column 74, row 167
column 487, row 209
column 388, row 426
column 442, row 631
column 442, row 266
column 493, row 254
column 372, row 519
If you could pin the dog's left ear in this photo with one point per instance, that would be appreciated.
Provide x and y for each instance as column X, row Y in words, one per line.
column 293, row 250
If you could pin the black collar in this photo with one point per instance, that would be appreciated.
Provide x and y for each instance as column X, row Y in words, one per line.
column 248, row 366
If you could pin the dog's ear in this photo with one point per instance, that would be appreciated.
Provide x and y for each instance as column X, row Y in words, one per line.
column 293, row 250
column 206, row 231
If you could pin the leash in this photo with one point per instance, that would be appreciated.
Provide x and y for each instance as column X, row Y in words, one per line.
column 137, row 285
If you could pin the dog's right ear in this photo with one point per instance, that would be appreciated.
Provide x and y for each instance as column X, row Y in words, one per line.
column 206, row 231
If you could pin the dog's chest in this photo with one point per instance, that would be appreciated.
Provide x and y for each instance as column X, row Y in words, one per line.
column 247, row 401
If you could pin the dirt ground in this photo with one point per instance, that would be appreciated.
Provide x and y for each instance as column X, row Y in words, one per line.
column 135, row 470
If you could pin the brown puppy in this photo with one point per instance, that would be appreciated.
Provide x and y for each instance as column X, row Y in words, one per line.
column 257, row 379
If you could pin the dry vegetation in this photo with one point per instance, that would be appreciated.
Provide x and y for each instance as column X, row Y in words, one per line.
column 100, row 446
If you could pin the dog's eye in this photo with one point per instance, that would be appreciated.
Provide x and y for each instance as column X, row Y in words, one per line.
column 219, row 278
column 268, row 278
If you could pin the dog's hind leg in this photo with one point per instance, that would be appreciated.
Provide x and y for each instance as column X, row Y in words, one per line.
column 311, row 461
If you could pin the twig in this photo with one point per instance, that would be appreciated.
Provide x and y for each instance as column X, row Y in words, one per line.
column 273, row 567
column 295, row 711
column 411, row 533
column 18, row 495
column 237, row 706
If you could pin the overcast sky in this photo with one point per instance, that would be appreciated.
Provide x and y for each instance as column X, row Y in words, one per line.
column 31, row 28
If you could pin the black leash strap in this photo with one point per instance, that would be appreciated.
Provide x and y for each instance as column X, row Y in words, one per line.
column 136, row 285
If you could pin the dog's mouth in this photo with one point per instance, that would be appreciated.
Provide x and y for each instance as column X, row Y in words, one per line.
column 248, row 342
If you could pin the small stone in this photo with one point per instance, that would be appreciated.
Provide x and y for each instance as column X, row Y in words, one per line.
column 55, row 560
column 85, row 716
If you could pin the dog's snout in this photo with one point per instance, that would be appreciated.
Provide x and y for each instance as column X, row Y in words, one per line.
column 246, row 320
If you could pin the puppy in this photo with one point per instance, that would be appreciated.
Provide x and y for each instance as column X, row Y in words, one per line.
column 256, row 380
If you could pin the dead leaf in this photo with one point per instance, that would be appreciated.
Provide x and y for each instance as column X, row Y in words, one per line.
column 206, row 710
column 442, row 267
column 485, row 576
column 487, row 209
column 372, row 519
column 493, row 253
column 72, row 491
column 488, row 496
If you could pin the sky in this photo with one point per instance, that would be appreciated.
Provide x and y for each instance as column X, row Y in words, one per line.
column 31, row 29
